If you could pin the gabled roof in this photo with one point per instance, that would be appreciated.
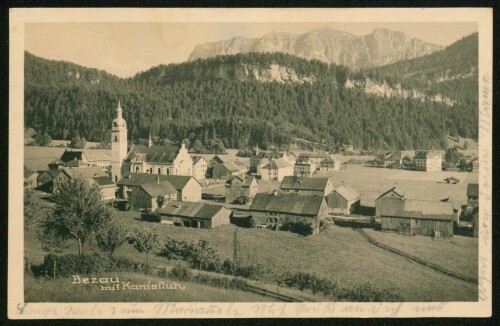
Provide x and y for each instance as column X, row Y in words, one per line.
column 196, row 159
column 224, row 158
column 155, row 189
column 155, row 153
column 70, row 155
column 473, row 190
column 137, row 179
column 278, row 163
column 233, row 166
column 103, row 181
column 190, row 210
column 93, row 156
column 304, row 183
column 86, row 172
column 51, row 173
column 393, row 189
column 287, row 203
column 428, row 209
column 347, row 193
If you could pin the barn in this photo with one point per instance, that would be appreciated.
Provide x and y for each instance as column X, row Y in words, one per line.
column 343, row 200
column 194, row 215
column 318, row 186
column 237, row 187
column 273, row 210
column 421, row 217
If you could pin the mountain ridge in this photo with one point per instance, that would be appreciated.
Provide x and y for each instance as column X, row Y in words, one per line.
column 382, row 46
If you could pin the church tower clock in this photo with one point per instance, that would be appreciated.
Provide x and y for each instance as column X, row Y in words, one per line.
column 118, row 144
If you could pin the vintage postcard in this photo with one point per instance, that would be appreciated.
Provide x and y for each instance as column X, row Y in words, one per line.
column 236, row 163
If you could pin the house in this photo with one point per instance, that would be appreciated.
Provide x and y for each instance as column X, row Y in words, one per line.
column 200, row 167
column 153, row 195
column 83, row 158
column 329, row 164
column 473, row 195
column 159, row 159
column 304, row 169
column 188, row 189
column 237, row 186
column 277, row 169
column 275, row 210
column 45, row 180
column 314, row 186
column 343, row 200
column 226, row 169
column 261, row 158
column 94, row 175
column 194, row 215
column 413, row 216
column 428, row 160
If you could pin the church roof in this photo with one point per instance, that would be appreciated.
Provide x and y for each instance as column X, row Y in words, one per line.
column 155, row 153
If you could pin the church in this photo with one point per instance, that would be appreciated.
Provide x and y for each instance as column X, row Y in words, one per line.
column 155, row 159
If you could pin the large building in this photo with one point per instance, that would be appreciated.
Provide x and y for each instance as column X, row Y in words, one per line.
column 276, row 169
column 275, row 210
column 261, row 158
column 167, row 159
column 200, row 168
column 428, row 160
column 314, row 186
column 413, row 216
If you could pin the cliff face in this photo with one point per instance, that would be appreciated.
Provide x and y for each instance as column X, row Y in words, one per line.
column 382, row 46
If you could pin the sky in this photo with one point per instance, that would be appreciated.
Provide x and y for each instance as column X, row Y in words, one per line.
column 124, row 49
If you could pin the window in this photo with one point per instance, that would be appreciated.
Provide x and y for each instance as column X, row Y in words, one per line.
column 168, row 171
column 159, row 170
column 116, row 138
column 136, row 169
column 116, row 178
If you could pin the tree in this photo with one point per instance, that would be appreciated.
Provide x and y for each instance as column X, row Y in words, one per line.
column 79, row 213
column 197, row 146
column 146, row 240
column 186, row 142
column 43, row 139
column 111, row 235
column 77, row 142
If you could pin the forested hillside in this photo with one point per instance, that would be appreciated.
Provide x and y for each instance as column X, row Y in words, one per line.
column 227, row 98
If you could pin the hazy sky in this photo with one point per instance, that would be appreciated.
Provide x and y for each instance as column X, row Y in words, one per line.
column 125, row 49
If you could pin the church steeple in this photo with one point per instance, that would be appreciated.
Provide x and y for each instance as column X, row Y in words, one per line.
column 119, row 111
column 118, row 144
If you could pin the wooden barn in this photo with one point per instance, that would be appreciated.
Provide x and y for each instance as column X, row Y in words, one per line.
column 273, row 210
column 194, row 215
column 343, row 200
column 227, row 169
column 420, row 217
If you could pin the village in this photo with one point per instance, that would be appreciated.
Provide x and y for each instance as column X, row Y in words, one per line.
column 296, row 191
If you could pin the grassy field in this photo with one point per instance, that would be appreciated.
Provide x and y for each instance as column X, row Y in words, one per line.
column 457, row 254
column 62, row 290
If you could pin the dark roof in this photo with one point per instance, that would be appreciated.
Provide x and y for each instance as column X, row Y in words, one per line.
column 136, row 179
column 70, row 155
column 103, row 181
column 74, row 164
column 51, row 173
column 155, row 189
column 190, row 210
column 473, row 190
column 394, row 189
column 287, row 203
column 155, row 153
column 304, row 183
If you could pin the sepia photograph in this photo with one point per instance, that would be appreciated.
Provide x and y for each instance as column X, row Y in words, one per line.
column 200, row 163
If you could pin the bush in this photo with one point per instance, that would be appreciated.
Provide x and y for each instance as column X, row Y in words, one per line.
column 301, row 227
column 67, row 265
column 253, row 272
column 181, row 273
column 227, row 267
column 367, row 292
